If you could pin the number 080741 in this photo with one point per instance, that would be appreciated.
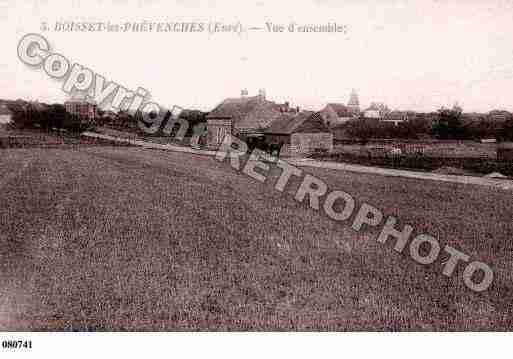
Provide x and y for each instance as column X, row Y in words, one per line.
column 16, row 344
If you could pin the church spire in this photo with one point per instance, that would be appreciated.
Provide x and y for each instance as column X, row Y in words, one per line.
column 354, row 103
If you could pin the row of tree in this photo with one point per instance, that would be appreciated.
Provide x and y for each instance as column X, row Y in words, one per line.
column 55, row 116
column 452, row 126
column 46, row 117
column 192, row 117
column 449, row 124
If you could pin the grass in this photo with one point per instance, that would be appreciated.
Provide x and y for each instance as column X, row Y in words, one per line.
column 129, row 239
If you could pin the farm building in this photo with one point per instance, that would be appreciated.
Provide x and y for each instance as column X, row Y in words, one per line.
column 299, row 134
column 245, row 117
column 334, row 114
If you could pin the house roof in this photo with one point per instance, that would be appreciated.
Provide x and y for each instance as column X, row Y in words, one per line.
column 289, row 123
column 372, row 107
column 378, row 106
column 247, row 112
column 235, row 108
column 340, row 109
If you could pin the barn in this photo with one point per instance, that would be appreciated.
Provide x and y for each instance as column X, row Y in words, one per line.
column 244, row 117
column 299, row 134
column 335, row 114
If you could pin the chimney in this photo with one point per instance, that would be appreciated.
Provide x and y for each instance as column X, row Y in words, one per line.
column 243, row 92
column 297, row 109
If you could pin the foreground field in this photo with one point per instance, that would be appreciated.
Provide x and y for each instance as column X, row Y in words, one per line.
column 124, row 239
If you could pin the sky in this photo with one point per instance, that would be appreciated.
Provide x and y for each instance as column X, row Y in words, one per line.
column 411, row 55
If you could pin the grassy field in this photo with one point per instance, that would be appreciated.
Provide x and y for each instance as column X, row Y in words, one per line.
column 106, row 238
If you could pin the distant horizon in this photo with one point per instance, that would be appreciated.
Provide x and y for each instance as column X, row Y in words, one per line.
column 292, row 106
column 410, row 56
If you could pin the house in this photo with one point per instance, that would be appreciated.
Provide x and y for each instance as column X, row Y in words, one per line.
column 85, row 110
column 376, row 110
column 5, row 115
column 334, row 114
column 299, row 134
column 245, row 117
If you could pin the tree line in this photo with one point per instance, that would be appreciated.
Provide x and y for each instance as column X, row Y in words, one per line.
column 446, row 124
column 47, row 117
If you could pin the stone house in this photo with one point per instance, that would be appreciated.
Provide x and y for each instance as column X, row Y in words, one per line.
column 299, row 134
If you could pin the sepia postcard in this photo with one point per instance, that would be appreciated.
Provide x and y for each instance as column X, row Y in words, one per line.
column 255, row 166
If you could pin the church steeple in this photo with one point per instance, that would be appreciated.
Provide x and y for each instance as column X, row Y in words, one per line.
column 354, row 103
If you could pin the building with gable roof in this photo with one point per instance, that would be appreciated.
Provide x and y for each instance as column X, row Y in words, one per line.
column 299, row 134
column 245, row 117
column 334, row 114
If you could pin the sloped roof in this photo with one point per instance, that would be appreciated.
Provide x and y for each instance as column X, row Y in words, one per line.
column 235, row 108
column 340, row 109
column 247, row 112
column 372, row 107
column 289, row 123
column 378, row 106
